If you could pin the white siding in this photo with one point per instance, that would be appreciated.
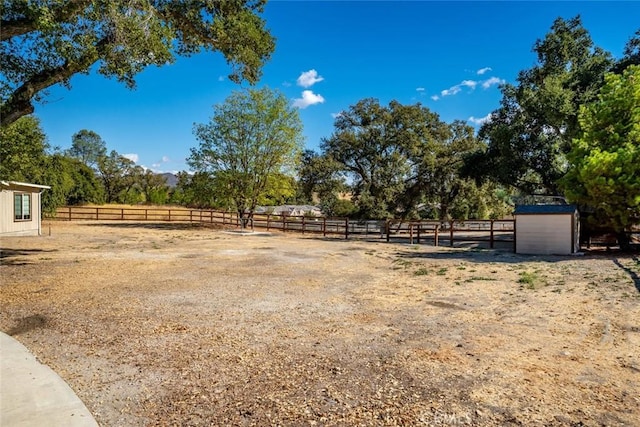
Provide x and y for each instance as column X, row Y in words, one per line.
column 544, row 234
column 9, row 227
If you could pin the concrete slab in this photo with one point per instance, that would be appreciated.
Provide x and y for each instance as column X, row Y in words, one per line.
column 31, row 394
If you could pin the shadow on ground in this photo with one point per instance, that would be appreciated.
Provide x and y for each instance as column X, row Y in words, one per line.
column 9, row 256
column 632, row 274
column 27, row 324
column 155, row 225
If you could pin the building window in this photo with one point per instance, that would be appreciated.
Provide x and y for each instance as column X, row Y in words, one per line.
column 22, row 207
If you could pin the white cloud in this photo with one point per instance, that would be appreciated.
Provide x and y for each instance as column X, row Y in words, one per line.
column 479, row 120
column 308, row 98
column 492, row 81
column 286, row 84
column 165, row 159
column 471, row 84
column 309, row 78
column 420, row 89
column 132, row 156
column 451, row 91
column 481, row 71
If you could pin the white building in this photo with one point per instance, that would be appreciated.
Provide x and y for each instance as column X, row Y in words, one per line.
column 547, row 229
column 20, row 208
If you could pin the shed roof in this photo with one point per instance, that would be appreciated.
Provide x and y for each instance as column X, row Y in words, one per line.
column 544, row 209
column 15, row 185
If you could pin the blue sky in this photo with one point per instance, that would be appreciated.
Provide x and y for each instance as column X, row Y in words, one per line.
column 449, row 56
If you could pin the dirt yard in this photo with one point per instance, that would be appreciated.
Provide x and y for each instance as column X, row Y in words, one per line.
column 156, row 324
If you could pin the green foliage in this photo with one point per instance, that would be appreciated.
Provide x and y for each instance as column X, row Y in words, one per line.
column 337, row 207
column 44, row 43
column 252, row 141
column 281, row 190
column 118, row 175
column 196, row 191
column 385, row 152
column 401, row 160
column 530, row 134
column 153, row 188
column 23, row 148
column 631, row 54
column 605, row 159
column 87, row 146
column 23, row 157
column 319, row 178
column 71, row 181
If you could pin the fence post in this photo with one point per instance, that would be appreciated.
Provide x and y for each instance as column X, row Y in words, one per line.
column 435, row 237
column 303, row 224
column 324, row 226
column 387, row 226
column 451, row 233
column 190, row 216
column 284, row 222
column 491, row 236
column 97, row 213
column 419, row 227
column 169, row 215
column 268, row 221
column 69, row 213
column 346, row 228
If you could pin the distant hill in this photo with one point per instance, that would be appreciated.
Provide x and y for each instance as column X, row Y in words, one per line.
column 171, row 179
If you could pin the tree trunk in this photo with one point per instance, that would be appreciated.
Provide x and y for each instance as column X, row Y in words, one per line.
column 624, row 241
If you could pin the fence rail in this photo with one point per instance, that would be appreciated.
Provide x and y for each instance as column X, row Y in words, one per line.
column 491, row 231
column 434, row 232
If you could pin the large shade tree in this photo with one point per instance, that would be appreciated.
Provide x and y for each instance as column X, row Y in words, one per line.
column 604, row 173
column 46, row 42
column 385, row 152
column 252, row 140
column 529, row 135
column 398, row 161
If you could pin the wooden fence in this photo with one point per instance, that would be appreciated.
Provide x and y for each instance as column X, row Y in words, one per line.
column 472, row 231
column 325, row 226
column 433, row 232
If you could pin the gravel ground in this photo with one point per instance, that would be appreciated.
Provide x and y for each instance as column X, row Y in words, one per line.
column 157, row 324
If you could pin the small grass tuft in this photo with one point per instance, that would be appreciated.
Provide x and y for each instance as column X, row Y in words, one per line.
column 422, row 271
column 529, row 279
column 442, row 271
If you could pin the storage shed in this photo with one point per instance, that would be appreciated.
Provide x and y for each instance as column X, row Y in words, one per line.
column 20, row 208
column 547, row 229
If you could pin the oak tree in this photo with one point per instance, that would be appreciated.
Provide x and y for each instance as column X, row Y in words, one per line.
column 46, row 42
column 529, row 135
